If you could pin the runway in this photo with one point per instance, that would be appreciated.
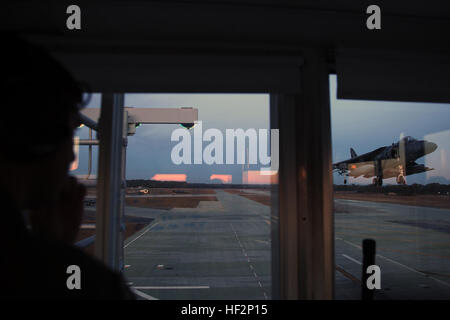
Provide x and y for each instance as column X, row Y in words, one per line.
column 413, row 249
column 222, row 250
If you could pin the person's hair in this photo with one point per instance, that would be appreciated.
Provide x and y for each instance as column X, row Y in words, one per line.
column 38, row 96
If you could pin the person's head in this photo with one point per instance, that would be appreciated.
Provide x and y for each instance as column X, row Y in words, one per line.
column 40, row 101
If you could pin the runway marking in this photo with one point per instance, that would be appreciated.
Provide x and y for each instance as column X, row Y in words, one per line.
column 365, row 235
column 346, row 230
column 350, row 243
column 419, row 253
column 437, row 274
column 142, row 295
column 399, row 264
column 170, row 287
column 249, row 261
column 382, row 228
column 351, row 259
column 414, row 270
column 148, row 229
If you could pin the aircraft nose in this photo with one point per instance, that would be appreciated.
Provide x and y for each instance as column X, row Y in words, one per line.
column 430, row 147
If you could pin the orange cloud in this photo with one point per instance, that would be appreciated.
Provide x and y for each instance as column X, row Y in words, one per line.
column 225, row 178
column 169, row 177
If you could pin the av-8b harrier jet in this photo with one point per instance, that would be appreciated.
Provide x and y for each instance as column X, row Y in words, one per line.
column 397, row 160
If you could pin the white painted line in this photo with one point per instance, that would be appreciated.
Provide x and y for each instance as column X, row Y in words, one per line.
column 248, row 258
column 400, row 264
column 352, row 244
column 143, row 295
column 148, row 229
column 171, row 287
column 414, row 270
column 351, row 259
column 440, row 281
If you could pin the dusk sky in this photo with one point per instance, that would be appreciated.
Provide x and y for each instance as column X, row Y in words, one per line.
column 362, row 125
column 149, row 150
column 367, row 125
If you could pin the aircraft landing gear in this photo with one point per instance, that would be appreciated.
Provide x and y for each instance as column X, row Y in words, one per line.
column 401, row 179
column 346, row 178
column 378, row 181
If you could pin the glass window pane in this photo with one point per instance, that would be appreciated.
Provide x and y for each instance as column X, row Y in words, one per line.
column 84, row 168
column 199, row 230
column 391, row 184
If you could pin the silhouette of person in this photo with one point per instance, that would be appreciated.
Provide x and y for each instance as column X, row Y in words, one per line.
column 40, row 104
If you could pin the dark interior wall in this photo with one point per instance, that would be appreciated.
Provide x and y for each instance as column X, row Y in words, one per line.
column 125, row 44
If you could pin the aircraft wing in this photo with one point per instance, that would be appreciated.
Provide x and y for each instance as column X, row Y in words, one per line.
column 366, row 157
column 416, row 168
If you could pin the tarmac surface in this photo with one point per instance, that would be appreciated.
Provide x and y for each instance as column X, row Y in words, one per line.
column 413, row 249
column 219, row 250
column 222, row 250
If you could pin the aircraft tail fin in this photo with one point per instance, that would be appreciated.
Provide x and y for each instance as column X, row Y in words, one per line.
column 353, row 153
